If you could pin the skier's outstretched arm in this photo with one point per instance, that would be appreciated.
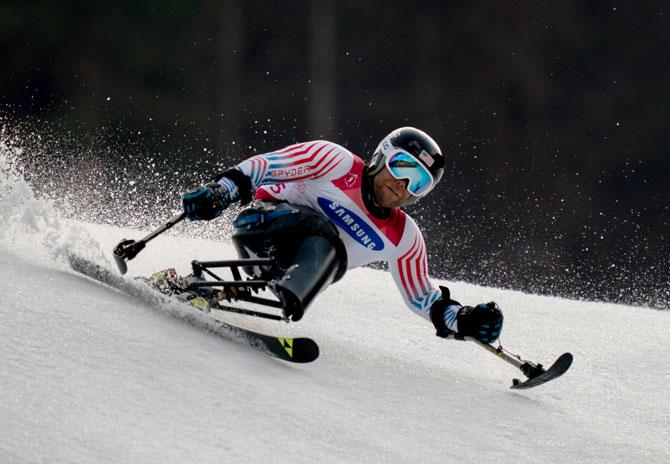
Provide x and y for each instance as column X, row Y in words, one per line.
column 410, row 272
column 316, row 160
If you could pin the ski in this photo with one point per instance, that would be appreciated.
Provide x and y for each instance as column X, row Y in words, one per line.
column 296, row 350
column 535, row 373
column 538, row 375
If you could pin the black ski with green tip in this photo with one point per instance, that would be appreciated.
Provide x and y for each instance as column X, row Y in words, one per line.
column 296, row 350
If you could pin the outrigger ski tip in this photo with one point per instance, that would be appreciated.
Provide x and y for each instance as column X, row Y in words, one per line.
column 128, row 249
column 537, row 375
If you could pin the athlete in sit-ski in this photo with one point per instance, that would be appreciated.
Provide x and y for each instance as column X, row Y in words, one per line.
column 319, row 210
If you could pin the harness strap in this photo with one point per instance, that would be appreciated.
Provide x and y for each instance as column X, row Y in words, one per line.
column 253, row 220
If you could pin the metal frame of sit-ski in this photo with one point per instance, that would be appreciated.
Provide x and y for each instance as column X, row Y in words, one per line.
column 237, row 289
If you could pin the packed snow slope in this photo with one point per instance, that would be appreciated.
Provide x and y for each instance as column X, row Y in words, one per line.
column 89, row 374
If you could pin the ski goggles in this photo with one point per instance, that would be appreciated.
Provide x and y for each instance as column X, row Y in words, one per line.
column 403, row 165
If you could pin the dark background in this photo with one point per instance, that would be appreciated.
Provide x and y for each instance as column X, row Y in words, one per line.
column 552, row 116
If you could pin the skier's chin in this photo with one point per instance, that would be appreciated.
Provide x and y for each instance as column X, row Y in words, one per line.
column 390, row 202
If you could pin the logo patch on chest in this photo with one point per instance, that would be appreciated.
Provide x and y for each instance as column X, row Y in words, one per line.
column 352, row 224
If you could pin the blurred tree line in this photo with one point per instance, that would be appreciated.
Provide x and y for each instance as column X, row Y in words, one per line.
column 552, row 114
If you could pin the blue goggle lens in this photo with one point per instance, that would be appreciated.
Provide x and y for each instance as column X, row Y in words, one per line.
column 403, row 165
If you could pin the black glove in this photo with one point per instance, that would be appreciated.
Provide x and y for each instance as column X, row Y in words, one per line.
column 483, row 322
column 208, row 202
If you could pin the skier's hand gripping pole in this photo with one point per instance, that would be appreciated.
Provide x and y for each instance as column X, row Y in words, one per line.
column 128, row 249
column 204, row 203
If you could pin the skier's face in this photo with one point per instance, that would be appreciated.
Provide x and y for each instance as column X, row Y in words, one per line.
column 389, row 191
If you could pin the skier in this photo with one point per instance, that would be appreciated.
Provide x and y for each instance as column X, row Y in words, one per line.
column 318, row 210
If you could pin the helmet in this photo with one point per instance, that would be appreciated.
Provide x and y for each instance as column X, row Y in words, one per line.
column 423, row 152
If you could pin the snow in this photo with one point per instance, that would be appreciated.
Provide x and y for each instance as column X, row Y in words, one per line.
column 89, row 374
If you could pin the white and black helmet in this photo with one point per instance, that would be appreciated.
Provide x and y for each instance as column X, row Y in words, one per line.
column 420, row 146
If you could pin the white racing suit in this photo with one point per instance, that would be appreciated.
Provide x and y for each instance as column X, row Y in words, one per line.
column 327, row 178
